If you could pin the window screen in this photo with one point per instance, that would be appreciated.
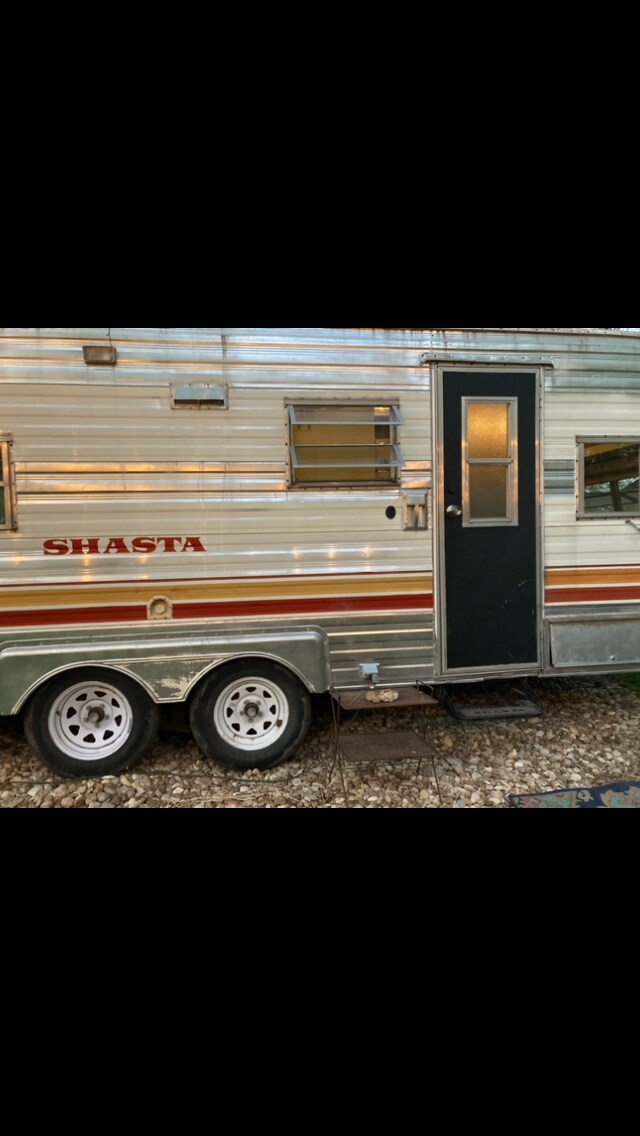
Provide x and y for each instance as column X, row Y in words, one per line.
column 344, row 445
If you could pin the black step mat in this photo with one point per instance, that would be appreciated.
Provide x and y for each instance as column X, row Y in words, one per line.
column 491, row 702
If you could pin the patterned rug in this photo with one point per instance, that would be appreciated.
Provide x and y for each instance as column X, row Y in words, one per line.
column 624, row 796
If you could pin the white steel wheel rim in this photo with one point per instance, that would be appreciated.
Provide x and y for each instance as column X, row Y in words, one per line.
column 252, row 714
column 90, row 721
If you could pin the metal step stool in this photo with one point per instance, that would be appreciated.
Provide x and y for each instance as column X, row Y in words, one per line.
column 386, row 745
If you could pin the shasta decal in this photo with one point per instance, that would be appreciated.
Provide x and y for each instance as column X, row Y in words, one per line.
column 121, row 546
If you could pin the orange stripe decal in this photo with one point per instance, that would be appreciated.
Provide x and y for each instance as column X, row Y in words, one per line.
column 592, row 577
column 215, row 590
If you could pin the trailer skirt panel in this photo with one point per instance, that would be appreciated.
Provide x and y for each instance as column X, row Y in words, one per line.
column 598, row 642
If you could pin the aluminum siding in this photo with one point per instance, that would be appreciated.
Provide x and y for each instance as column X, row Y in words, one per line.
column 99, row 451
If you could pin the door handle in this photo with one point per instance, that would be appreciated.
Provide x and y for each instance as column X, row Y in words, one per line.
column 454, row 511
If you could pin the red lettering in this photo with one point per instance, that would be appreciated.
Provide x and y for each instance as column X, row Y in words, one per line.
column 193, row 544
column 88, row 547
column 117, row 545
column 144, row 544
column 56, row 547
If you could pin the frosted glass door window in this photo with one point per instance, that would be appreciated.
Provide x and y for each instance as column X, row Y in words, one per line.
column 490, row 462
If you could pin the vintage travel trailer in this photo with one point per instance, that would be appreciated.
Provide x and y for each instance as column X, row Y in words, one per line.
column 236, row 519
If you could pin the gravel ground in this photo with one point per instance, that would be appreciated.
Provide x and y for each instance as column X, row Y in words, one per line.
column 588, row 737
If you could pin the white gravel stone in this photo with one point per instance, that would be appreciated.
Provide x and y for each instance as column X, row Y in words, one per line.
column 588, row 737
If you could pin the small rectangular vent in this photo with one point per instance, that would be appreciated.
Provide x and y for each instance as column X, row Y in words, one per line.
column 199, row 396
column 100, row 356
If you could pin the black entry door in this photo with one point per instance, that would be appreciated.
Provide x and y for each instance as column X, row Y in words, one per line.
column 490, row 604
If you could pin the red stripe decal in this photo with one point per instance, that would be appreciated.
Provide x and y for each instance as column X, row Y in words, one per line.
column 195, row 611
column 73, row 615
column 303, row 607
column 591, row 595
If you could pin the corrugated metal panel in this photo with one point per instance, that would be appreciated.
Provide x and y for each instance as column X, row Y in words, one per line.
column 100, row 451
column 607, row 642
column 80, row 433
column 559, row 477
column 568, row 417
column 329, row 347
column 405, row 651
column 136, row 424
column 317, row 334
column 596, row 540
column 263, row 534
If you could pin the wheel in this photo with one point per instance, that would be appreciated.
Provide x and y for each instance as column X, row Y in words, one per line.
column 250, row 715
column 91, row 723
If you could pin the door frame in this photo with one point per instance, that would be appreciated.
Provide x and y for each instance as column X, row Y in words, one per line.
column 439, row 551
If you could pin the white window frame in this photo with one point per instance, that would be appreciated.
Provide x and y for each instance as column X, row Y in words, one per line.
column 343, row 413
column 601, row 440
column 7, row 482
column 511, row 464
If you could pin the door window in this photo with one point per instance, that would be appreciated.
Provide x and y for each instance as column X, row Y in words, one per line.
column 490, row 462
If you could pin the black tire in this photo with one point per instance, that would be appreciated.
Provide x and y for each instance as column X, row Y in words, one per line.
column 250, row 715
column 91, row 723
